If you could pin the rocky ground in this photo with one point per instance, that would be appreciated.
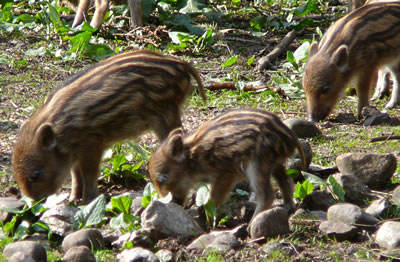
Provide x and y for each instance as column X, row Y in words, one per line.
column 361, row 227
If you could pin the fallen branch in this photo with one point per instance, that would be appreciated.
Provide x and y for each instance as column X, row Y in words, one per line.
column 384, row 138
column 232, row 86
column 266, row 61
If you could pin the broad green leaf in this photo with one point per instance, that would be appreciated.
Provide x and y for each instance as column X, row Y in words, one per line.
column 202, row 195
column 26, row 18
column 291, row 59
column 54, row 200
column 98, row 51
column 337, row 188
column 92, row 214
column 301, row 52
column 300, row 192
column 231, row 61
column 146, row 200
column 121, row 203
column 22, row 230
column 251, row 60
column 80, row 42
column 54, row 16
column 258, row 22
column 316, row 181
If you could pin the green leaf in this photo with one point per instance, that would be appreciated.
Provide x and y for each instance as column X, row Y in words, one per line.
column 337, row 188
column 80, row 42
column 231, row 61
column 146, row 200
column 121, row 203
column 316, row 181
column 291, row 59
column 22, row 230
column 258, row 22
column 301, row 52
column 202, row 195
column 54, row 16
column 92, row 214
column 25, row 18
column 98, row 51
column 211, row 212
column 251, row 60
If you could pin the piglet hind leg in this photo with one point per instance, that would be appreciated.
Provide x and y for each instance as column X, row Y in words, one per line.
column 286, row 186
column 260, row 180
column 81, row 11
column 395, row 98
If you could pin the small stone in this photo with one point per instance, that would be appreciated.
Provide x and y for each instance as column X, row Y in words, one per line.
column 139, row 238
column 169, row 220
column 90, row 237
column 338, row 230
column 9, row 203
column 137, row 254
column 345, row 118
column 378, row 207
column 375, row 170
column 79, row 254
column 388, row 235
column 285, row 248
column 350, row 214
column 60, row 219
column 355, row 190
column 165, row 255
column 303, row 128
column 221, row 241
column 270, row 223
column 396, row 196
column 29, row 249
column 317, row 200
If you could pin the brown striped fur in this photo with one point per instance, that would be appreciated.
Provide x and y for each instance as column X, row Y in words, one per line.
column 118, row 98
column 102, row 6
column 353, row 47
column 240, row 144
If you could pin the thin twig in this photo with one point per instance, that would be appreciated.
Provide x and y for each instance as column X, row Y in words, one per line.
column 266, row 61
column 384, row 138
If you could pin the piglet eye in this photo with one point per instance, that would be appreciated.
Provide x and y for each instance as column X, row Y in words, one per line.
column 36, row 175
column 325, row 88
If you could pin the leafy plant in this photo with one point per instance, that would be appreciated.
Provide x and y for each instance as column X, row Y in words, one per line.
column 210, row 208
column 329, row 184
column 150, row 194
column 303, row 190
column 182, row 41
column 124, row 221
column 92, row 214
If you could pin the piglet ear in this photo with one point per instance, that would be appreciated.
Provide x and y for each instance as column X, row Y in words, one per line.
column 340, row 58
column 313, row 49
column 46, row 136
column 175, row 143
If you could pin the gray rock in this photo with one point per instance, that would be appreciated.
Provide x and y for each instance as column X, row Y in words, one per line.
column 294, row 162
column 21, row 257
column 350, row 214
column 90, row 237
column 29, row 249
column 60, row 219
column 284, row 248
column 302, row 214
column 79, row 254
column 169, row 220
column 139, row 238
column 270, row 223
column 338, row 230
column 373, row 117
column 165, row 255
column 318, row 200
column 355, row 190
column 220, row 241
column 390, row 255
column 303, row 128
column 346, row 118
column 378, row 207
column 375, row 170
column 137, row 254
column 388, row 235
column 396, row 196
column 9, row 203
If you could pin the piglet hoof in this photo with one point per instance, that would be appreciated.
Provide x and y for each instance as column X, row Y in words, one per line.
column 391, row 104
